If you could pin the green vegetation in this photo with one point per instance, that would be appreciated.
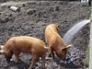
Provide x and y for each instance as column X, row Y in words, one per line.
column 86, row 62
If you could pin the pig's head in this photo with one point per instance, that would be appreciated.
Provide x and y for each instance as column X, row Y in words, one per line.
column 7, row 54
column 62, row 53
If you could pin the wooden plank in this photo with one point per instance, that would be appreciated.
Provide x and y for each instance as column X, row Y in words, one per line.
column 90, row 62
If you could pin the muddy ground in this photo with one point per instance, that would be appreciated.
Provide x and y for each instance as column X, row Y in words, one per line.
column 32, row 19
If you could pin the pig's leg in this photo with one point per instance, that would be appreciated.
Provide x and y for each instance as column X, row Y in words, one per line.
column 16, row 53
column 34, row 60
column 43, row 61
column 49, row 53
column 52, row 54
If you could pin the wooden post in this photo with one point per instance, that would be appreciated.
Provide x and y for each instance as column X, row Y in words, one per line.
column 90, row 58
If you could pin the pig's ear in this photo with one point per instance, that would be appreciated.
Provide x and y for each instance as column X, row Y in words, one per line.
column 69, row 46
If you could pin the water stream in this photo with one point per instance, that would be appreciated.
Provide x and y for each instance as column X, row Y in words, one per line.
column 74, row 56
column 70, row 34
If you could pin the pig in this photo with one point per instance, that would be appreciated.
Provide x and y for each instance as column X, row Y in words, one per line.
column 26, row 44
column 55, row 42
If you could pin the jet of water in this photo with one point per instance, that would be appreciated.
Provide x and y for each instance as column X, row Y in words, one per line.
column 70, row 34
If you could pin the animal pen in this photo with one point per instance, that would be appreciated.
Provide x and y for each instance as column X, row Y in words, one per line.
column 90, row 62
column 33, row 22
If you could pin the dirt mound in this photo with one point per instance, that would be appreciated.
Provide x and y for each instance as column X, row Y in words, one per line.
column 32, row 20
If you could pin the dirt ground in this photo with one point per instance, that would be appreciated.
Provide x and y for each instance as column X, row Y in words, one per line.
column 32, row 19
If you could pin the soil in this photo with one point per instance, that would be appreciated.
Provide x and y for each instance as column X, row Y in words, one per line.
column 31, row 20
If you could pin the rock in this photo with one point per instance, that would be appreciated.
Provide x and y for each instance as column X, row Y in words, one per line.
column 31, row 11
column 4, row 20
column 14, row 8
column 57, row 8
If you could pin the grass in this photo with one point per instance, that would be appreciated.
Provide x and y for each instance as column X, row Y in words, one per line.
column 86, row 61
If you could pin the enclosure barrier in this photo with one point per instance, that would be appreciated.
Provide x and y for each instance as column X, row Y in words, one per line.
column 90, row 60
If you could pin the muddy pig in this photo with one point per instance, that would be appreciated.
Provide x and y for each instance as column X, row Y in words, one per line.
column 55, row 42
column 25, row 44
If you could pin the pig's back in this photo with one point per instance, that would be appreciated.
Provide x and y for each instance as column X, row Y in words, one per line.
column 25, row 44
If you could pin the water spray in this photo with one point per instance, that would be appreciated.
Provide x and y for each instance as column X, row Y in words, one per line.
column 70, row 34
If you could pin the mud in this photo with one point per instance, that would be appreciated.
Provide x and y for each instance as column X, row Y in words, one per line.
column 32, row 19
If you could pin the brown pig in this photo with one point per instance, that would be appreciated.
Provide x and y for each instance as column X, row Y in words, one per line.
column 25, row 44
column 55, row 42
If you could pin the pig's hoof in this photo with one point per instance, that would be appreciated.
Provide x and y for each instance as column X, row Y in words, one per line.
column 11, row 60
column 16, row 61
